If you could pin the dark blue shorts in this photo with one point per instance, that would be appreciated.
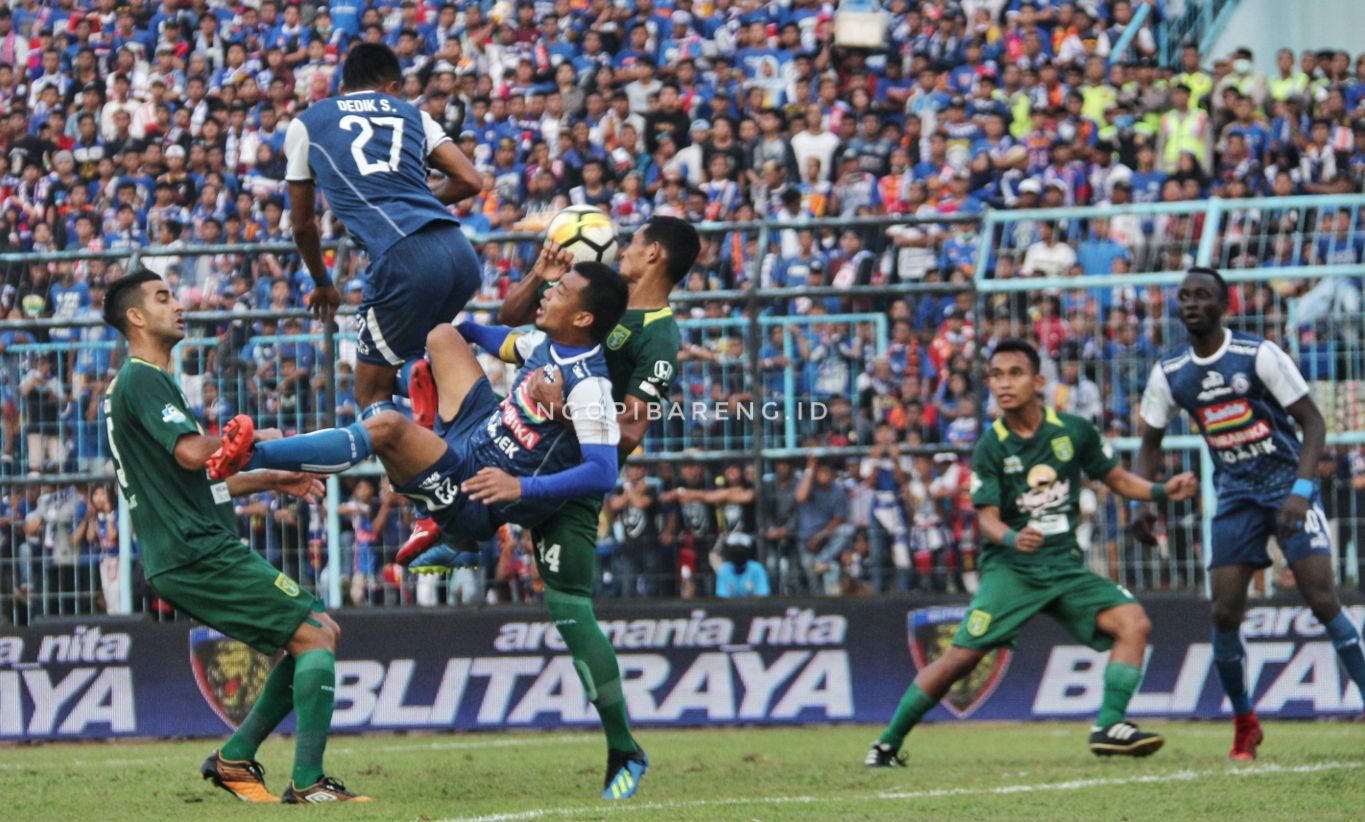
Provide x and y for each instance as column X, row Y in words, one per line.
column 438, row 488
column 421, row 281
column 1242, row 527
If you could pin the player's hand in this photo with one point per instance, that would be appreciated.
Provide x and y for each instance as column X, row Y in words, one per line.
column 443, row 559
column 547, row 396
column 1143, row 526
column 307, row 487
column 1292, row 515
column 324, row 302
column 553, row 263
column 492, row 485
column 1181, row 487
column 1029, row 540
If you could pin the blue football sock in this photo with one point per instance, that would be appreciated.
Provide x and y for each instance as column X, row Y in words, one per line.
column 1229, row 658
column 1346, row 639
column 400, row 382
column 376, row 408
column 329, row 451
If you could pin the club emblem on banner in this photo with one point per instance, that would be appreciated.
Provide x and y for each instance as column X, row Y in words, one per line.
column 931, row 632
column 230, row 674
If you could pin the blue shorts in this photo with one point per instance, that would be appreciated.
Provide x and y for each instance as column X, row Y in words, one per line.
column 1242, row 527
column 421, row 281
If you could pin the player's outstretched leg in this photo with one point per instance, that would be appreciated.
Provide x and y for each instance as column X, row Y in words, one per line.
column 1229, row 587
column 234, row 768
column 1314, row 577
column 1113, row 735
column 929, row 687
column 313, row 648
column 328, row 451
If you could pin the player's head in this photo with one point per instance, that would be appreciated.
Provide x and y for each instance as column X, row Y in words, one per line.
column 664, row 244
column 1014, row 374
column 371, row 66
column 141, row 305
column 586, row 304
column 1202, row 300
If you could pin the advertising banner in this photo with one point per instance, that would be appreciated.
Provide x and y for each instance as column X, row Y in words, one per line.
column 706, row 663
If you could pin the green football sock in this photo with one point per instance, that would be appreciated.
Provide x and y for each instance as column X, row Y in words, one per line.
column 595, row 660
column 1120, row 682
column 914, row 705
column 315, row 680
column 272, row 706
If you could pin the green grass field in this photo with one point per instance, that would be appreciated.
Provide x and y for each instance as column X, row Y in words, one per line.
column 1308, row 771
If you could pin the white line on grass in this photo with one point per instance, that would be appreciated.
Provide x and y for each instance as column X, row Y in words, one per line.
column 1074, row 785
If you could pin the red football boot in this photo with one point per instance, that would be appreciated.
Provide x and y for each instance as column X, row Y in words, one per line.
column 422, row 394
column 425, row 534
column 1247, row 739
column 235, row 452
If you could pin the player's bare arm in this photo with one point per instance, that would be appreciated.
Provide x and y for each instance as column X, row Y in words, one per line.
column 519, row 306
column 1295, row 508
column 307, row 487
column 1130, row 486
column 324, row 299
column 1145, row 465
column 462, row 179
column 994, row 529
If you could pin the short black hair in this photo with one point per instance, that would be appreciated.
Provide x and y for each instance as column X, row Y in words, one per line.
column 605, row 297
column 125, row 293
column 1016, row 345
column 680, row 242
column 1212, row 272
column 370, row 65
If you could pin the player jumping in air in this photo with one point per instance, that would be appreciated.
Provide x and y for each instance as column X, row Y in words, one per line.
column 368, row 151
column 1026, row 486
column 193, row 555
column 1244, row 395
column 642, row 353
column 487, row 462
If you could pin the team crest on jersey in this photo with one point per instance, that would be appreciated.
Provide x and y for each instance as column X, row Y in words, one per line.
column 230, row 674
column 289, row 586
column 1240, row 383
column 172, row 415
column 1061, row 447
column 618, row 337
column 1014, row 465
column 931, row 634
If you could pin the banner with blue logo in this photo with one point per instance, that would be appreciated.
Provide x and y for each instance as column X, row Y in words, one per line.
column 706, row 663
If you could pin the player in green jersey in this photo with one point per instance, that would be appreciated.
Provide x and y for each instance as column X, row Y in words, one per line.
column 194, row 558
column 1026, row 486
column 642, row 354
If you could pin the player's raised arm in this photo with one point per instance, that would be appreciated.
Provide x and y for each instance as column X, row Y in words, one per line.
column 519, row 306
column 462, row 179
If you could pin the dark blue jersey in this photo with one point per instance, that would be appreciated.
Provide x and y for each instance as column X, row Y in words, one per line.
column 1237, row 400
column 368, row 153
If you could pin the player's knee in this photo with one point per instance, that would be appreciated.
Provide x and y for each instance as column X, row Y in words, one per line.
column 1139, row 627
column 443, row 335
column 384, row 429
column 1226, row 617
column 1323, row 604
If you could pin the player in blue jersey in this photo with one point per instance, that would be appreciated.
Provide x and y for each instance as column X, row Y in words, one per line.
column 1244, row 395
column 488, row 461
column 368, row 152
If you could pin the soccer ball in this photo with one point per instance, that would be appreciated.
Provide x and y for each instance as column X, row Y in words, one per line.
column 586, row 232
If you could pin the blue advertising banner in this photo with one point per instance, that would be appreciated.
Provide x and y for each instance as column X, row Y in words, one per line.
column 756, row 662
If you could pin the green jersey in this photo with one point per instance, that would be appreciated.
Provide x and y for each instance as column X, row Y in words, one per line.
column 1036, row 481
column 180, row 516
column 642, row 355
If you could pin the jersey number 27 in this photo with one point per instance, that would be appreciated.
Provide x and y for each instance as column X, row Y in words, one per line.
column 366, row 126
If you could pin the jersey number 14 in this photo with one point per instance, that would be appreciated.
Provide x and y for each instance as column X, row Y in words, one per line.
column 366, row 126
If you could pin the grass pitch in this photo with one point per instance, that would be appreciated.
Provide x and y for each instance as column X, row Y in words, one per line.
column 1307, row 771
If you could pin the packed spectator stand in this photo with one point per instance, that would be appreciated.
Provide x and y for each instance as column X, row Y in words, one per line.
column 125, row 126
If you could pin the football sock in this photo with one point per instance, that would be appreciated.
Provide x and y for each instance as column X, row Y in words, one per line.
column 1346, row 639
column 400, row 380
column 272, row 706
column 914, row 705
column 1120, row 682
column 376, row 408
column 1228, row 657
column 327, row 451
column 595, row 660
column 314, row 698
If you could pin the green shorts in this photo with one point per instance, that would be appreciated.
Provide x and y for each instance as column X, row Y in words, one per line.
column 1009, row 597
column 237, row 592
column 566, row 547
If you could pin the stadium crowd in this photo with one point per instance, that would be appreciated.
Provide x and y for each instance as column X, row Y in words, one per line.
column 124, row 126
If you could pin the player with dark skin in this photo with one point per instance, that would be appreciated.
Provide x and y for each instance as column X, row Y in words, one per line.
column 1202, row 303
column 1017, row 389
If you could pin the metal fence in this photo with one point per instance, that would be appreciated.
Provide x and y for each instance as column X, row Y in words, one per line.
column 768, row 377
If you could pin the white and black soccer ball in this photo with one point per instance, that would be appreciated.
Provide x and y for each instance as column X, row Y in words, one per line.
column 586, row 232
